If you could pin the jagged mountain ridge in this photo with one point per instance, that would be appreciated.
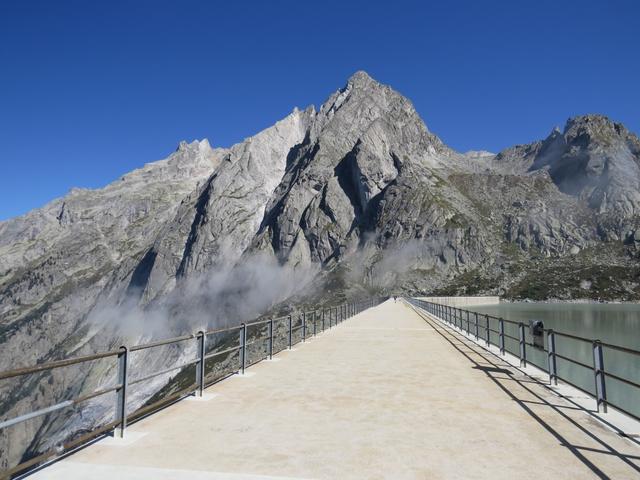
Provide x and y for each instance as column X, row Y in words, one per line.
column 315, row 188
column 360, row 189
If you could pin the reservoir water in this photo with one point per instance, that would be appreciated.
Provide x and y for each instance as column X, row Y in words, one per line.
column 617, row 324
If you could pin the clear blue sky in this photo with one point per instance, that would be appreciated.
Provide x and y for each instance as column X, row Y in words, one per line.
column 90, row 90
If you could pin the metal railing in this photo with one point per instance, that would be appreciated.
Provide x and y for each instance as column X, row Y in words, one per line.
column 260, row 333
column 493, row 331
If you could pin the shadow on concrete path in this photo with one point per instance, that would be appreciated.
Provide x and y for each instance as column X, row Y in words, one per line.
column 492, row 365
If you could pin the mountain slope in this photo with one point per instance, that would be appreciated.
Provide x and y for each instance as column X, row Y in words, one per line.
column 358, row 195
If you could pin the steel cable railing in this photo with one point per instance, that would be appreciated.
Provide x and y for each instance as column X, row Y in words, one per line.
column 260, row 334
column 476, row 323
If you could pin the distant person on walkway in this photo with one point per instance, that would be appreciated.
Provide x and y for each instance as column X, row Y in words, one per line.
column 394, row 298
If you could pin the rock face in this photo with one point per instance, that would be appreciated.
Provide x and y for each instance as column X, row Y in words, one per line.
column 358, row 195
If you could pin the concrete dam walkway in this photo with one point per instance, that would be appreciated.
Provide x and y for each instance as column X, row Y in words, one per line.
column 390, row 393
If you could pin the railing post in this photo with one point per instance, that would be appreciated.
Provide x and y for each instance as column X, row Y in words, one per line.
column 304, row 327
column 468, row 329
column 488, row 332
column 523, row 349
column 270, row 338
column 243, row 350
column 323, row 310
column 501, row 328
column 121, row 392
column 477, row 327
column 551, row 358
column 598, row 372
column 200, row 338
column 290, row 332
column 315, row 322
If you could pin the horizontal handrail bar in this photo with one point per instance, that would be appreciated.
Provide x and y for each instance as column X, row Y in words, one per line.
column 57, row 364
column 155, row 405
column 56, row 407
column 222, row 330
column 621, row 349
column 215, row 354
column 160, row 343
column 36, row 413
column 505, row 320
column 572, row 337
column 97, row 393
column 577, row 362
column 623, row 380
column 161, row 372
column 257, row 322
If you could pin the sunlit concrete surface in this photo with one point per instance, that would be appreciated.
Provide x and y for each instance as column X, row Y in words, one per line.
column 386, row 394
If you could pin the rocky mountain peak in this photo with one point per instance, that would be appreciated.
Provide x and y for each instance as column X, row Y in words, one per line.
column 594, row 129
column 361, row 79
column 597, row 160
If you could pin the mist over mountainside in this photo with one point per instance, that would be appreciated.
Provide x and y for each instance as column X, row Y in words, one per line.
column 357, row 196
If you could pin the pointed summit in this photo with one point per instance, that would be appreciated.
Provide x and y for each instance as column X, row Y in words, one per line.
column 361, row 78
